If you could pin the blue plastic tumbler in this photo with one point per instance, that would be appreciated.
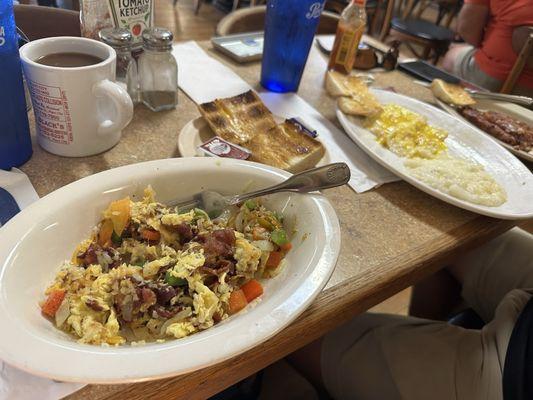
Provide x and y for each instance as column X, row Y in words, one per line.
column 15, row 141
column 290, row 27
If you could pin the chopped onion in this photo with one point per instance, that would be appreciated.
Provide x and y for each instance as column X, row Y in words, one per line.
column 176, row 318
column 62, row 312
column 263, row 245
column 239, row 221
column 222, row 217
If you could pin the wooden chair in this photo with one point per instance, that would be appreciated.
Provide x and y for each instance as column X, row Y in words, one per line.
column 373, row 9
column 522, row 42
column 253, row 19
column 198, row 4
column 434, row 38
column 39, row 22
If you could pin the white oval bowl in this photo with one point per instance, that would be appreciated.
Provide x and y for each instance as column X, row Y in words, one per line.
column 40, row 238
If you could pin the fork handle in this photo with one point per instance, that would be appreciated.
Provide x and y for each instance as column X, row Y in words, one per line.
column 522, row 100
column 328, row 176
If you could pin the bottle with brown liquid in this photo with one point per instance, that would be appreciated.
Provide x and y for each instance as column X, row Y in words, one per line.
column 349, row 31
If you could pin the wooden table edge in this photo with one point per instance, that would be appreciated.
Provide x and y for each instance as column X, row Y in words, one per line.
column 333, row 307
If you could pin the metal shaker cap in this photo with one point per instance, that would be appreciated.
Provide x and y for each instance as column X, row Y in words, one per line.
column 118, row 38
column 158, row 39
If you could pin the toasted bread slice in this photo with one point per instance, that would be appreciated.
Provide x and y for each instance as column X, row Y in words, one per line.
column 338, row 84
column 353, row 94
column 365, row 107
column 450, row 93
column 238, row 119
column 286, row 146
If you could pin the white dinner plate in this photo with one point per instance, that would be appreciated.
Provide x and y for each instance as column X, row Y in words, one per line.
column 464, row 141
column 37, row 240
column 197, row 131
column 513, row 110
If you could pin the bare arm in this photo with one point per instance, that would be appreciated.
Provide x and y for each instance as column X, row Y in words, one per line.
column 471, row 23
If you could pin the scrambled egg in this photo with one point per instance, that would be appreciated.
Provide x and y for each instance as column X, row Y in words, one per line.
column 246, row 254
column 139, row 278
column 406, row 133
column 180, row 329
column 187, row 262
column 176, row 219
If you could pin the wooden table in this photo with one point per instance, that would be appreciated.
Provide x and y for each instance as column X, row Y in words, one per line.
column 391, row 237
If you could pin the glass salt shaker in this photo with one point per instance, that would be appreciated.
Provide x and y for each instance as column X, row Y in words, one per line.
column 126, row 71
column 158, row 70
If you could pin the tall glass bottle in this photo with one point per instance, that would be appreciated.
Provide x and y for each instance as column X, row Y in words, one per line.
column 15, row 141
column 349, row 32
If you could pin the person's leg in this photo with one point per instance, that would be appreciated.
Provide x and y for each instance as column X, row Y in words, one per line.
column 307, row 361
column 391, row 357
column 435, row 297
column 492, row 270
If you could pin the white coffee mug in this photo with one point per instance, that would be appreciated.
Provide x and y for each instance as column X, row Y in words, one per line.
column 79, row 111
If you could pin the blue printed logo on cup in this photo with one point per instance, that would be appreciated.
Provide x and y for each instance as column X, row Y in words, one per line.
column 315, row 10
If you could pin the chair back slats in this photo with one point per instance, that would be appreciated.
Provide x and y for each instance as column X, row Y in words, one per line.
column 38, row 22
column 524, row 58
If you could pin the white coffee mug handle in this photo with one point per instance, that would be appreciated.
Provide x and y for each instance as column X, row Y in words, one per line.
column 122, row 102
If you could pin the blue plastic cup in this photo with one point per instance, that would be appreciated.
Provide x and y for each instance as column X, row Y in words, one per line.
column 290, row 27
column 15, row 142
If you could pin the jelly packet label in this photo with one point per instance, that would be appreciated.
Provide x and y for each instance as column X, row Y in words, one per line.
column 301, row 124
column 218, row 147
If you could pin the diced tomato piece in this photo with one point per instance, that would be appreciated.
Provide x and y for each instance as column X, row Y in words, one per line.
column 258, row 233
column 237, row 301
column 274, row 259
column 286, row 247
column 252, row 289
column 105, row 233
column 150, row 235
column 52, row 302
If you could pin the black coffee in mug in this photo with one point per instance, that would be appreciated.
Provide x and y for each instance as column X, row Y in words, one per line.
column 68, row 60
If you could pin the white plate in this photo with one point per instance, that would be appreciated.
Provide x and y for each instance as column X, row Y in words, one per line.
column 37, row 240
column 513, row 110
column 463, row 141
column 196, row 132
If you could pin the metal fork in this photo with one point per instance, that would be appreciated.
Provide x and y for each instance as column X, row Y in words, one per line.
column 325, row 177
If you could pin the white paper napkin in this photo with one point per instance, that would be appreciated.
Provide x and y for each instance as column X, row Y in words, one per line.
column 17, row 192
column 326, row 42
column 204, row 79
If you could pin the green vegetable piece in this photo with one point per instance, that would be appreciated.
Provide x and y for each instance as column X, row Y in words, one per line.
column 174, row 281
column 278, row 216
column 250, row 204
column 265, row 223
column 116, row 239
column 199, row 213
column 139, row 263
column 279, row 236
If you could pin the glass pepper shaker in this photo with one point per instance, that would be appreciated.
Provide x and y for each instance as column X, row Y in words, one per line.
column 158, row 70
column 126, row 71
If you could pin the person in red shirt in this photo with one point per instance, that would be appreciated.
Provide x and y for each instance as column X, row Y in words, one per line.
column 487, row 57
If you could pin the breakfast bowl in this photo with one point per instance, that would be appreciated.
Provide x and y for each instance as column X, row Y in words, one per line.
column 39, row 239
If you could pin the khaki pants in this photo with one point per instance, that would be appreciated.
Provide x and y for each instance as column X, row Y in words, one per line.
column 388, row 357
